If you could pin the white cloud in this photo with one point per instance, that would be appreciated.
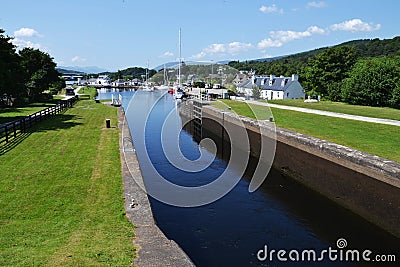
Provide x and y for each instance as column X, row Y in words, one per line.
column 232, row 48
column 167, row 54
column 316, row 4
column 271, row 9
column 278, row 38
column 355, row 25
column 268, row 42
column 287, row 36
column 236, row 47
column 23, row 33
column 198, row 56
column 21, row 44
column 77, row 59
column 26, row 32
column 215, row 49
column 316, row 29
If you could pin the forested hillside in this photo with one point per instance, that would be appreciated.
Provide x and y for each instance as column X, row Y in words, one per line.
column 129, row 73
column 364, row 72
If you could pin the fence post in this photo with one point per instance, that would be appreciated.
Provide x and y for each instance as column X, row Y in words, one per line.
column 15, row 130
column 6, row 132
column 23, row 126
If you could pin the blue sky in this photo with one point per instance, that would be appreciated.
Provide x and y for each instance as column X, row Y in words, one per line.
column 116, row 34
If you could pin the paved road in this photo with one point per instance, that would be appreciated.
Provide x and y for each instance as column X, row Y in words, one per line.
column 328, row 113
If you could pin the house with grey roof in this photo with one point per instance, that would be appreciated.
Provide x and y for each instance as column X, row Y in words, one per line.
column 273, row 87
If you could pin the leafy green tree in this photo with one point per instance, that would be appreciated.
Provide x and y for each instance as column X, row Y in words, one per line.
column 39, row 71
column 330, row 66
column 395, row 100
column 256, row 92
column 10, row 70
column 120, row 76
column 57, row 86
column 335, row 91
column 373, row 82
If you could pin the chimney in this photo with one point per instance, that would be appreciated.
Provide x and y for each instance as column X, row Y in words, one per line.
column 295, row 77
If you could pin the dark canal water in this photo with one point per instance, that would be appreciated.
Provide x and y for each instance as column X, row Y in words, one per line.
column 281, row 214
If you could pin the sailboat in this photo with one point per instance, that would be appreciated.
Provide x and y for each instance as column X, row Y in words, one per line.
column 178, row 91
column 164, row 86
column 147, row 85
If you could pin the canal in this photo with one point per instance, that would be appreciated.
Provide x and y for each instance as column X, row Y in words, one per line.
column 238, row 228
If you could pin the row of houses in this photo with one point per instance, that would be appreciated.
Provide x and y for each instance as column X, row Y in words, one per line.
column 272, row 87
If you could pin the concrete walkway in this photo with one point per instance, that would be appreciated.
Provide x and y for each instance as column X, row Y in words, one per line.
column 328, row 113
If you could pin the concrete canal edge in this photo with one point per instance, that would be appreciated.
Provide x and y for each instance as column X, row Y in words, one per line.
column 153, row 248
column 365, row 184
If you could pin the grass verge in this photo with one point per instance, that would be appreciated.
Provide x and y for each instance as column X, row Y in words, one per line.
column 91, row 91
column 14, row 113
column 61, row 194
column 373, row 138
column 375, row 112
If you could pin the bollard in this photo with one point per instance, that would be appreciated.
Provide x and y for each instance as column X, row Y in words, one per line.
column 108, row 123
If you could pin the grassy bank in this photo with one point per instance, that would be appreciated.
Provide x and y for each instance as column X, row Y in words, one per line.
column 373, row 138
column 384, row 113
column 14, row 113
column 91, row 91
column 61, row 194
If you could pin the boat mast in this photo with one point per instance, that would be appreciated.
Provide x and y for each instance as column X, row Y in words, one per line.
column 180, row 59
column 146, row 77
column 165, row 80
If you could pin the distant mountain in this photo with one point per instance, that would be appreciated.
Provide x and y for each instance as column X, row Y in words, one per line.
column 88, row 69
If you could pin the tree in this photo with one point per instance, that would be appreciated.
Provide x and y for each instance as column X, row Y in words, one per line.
column 39, row 71
column 394, row 101
column 10, row 70
column 373, row 82
column 57, row 86
column 330, row 66
column 256, row 92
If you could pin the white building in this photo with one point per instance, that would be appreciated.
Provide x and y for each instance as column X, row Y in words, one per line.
column 103, row 80
column 273, row 87
column 120, row 83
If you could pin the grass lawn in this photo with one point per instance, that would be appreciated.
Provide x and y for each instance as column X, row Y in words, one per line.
column 384, row 113
column 91, row 91
column 14, row 113
column 61, row 194
column 373, row 138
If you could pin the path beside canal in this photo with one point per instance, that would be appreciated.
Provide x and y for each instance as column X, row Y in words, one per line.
column 327, row 113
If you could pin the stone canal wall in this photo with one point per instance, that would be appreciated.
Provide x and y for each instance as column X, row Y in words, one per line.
column 365, row 184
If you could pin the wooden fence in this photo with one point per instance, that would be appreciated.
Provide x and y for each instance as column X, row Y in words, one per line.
column 11, row 130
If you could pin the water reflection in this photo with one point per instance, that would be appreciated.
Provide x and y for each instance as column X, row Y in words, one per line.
column 229, row 232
